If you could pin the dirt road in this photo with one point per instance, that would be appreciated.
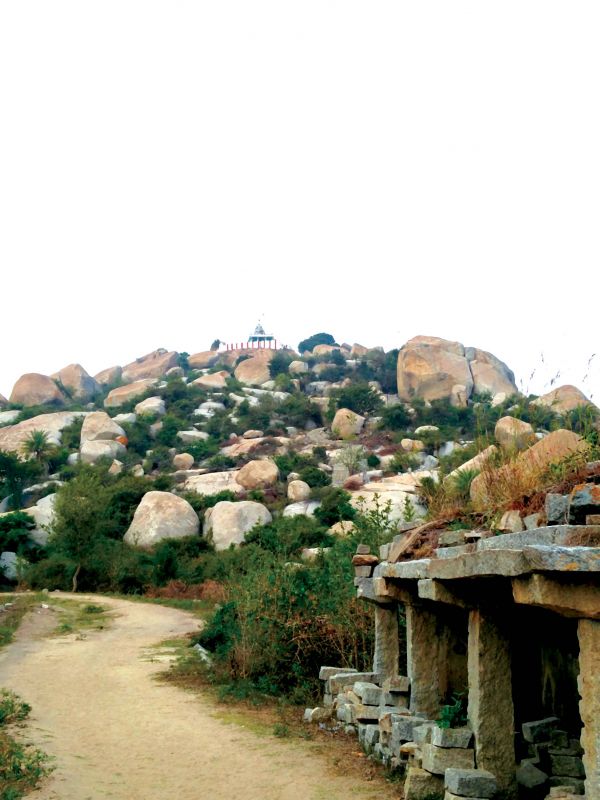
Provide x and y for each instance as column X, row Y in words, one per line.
column 117, row 733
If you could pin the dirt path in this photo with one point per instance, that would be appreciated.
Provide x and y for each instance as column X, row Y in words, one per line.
column 117, row 733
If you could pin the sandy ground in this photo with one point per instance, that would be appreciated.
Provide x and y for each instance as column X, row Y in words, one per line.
column 117, row 733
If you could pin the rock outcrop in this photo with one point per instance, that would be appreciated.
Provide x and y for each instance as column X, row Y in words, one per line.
column 153, row 365
column 514, row 434
column 433, row 369
column 203, row 360
column 213, row 483
column 347, row 424
column 3, row 401
column 123, row 394
column 564, row 399
column 76, row 382
column 522, row 476
column 151, row 406
column 98, row 426
column 258, row 475
column 13, row 436
column 33, row 389
column 214, row 380
column 108, row 376
column 254, row 371
column 159, row 516
column 228, row 523
column 298, row 491
column 92, row 451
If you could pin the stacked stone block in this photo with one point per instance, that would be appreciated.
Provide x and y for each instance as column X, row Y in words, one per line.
column 554, row 759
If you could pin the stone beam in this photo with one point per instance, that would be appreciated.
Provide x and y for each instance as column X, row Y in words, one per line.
column 490, row 711
column 589, row 705
column 568, row 599
column 439, row 593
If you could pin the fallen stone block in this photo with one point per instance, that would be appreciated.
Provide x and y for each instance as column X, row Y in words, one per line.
column 451, row 737
column 539, row 730
column 346, row 680
column 420, row 784
column 328, row 672
column 369, row 693
column 529, row 776
column 368, row 735
column 403, row 729
column 396, row 701
column 399, row 684
column 423, row 733
column 439, row 759
column 449, row 796
column 470, row 782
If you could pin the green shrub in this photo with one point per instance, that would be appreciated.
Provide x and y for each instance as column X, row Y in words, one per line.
column 360, row 398
column 335, row 506
column 314, row 476
column 279, row 364
column 287, row 536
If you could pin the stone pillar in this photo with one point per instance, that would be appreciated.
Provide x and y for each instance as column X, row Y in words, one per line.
column 589, row 705
column 387, row 644
column 491, row 711
column 423, row 658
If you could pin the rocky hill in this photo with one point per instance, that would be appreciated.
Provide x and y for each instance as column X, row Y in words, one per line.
column 272, row 428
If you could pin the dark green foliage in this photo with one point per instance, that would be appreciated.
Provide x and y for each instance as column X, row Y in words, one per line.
column 138, row 436
column 293, row 462
column 15, row 475
column 160, row 458
column 332, row 374
column 454, row 715
column 335, row 506
column 167, row 435
column 200, row 502
column 183, row 362
column 373, row 461
column 337, row 358
column 382, row 367
column 14, row 532
column 312, row 341
column 360, row 398
column 71, row 435
column 202, row 449
column 395, row 418
column 287, row 536
column 314, row 476
column 279, row 364
column 297, row 410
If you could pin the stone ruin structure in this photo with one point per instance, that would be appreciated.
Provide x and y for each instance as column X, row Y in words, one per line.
column 509, row 623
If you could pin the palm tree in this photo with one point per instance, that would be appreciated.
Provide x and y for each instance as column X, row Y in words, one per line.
column 38, row 446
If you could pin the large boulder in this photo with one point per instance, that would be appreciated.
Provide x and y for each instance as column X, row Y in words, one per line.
column 254, row 371
column 563, row 399
column 99, row 426
column 513, row 434
column 76, row 382
column 227, row 523
column 347, row 424
column 109, row 376
column 159, row 516
column 524, row 475
column 93, row 451
column 489, row 373
column 123, row 394
column 213, row 483
column 14, row 436
column 258, row 475
column 324, row 349
column 3, row 401
column 433, row 369
column 151, row 406
column 43, row 513
column 214, row 380
column 33, row 389
column 298, row 367
column 358, row 350
column 154, row 365
column 203, row 360
column 183, row 461
column 298, row 491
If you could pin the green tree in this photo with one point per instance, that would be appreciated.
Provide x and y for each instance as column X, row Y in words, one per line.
column 15, row 475
column 38, row 446
column 312, row 341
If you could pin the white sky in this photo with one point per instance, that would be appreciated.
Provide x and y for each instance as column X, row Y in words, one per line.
column 169, row 171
